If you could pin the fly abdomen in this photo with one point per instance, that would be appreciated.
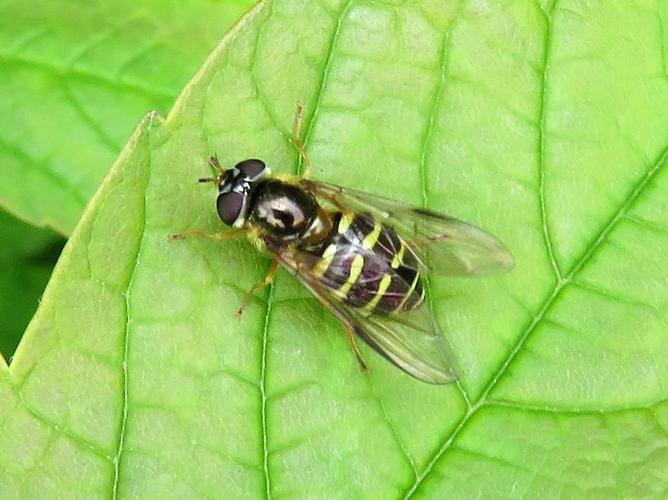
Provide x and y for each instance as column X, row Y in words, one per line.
column 365, row 264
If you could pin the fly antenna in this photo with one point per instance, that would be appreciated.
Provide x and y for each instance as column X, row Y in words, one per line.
column 218, row 170
column 215, row 165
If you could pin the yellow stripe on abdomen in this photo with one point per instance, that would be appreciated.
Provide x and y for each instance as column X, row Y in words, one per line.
column 355, row 270
column 370, row 239
column 398, row 258
column 325, row 261
column 384, row 284
column 345, row 222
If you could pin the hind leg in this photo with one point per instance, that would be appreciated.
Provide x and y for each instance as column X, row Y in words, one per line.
column 356, row 352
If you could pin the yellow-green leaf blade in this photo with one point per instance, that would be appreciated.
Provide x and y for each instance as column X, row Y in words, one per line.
column 445, row 108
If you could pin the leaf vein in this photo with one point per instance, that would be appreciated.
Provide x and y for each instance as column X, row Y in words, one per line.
column 591, row 412
column 80, row 442
column 263, row 393
column 270, row 296
column 542, row 106
column 584, row 259
column 323, row 82
column 40, row 166
column 71, row 73
column 256, row 83
column 88, row 119
column 427, row 139
column 394, row 432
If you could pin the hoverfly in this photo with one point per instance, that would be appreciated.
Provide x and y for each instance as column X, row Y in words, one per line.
column 364, row 257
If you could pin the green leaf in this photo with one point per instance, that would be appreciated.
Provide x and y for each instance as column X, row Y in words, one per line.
column 74, row 78
column 542, row 123
column 27, row 256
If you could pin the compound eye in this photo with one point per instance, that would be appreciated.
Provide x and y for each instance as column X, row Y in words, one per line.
column 230, row 206
column 251, row 168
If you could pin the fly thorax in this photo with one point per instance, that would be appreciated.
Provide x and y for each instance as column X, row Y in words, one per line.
column 284, row 211
column 319, row 230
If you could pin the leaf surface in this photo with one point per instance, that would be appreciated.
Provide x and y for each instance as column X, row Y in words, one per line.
column 134, row 379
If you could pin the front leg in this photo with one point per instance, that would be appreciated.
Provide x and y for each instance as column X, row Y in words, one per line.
column 223, row 235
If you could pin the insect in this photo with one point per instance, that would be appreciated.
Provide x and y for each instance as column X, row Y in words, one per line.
column 362, row 256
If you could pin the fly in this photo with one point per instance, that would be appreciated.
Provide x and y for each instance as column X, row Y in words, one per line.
column 364, row 257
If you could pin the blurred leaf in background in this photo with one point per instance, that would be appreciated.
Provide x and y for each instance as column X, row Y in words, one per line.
column 75, row 76
column 27, row 256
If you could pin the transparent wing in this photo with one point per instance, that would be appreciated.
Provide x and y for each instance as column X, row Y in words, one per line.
column 445, row 245
column 410, row 340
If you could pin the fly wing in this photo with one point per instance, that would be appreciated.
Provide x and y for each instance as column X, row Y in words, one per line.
column 445, row 245
column 410, row 340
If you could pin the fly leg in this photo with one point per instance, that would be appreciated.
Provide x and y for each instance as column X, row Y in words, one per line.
column 356, row 352
column 223, row 235
column 336, row 309
column 296, row 139
column 268, row 280
column 349, row 327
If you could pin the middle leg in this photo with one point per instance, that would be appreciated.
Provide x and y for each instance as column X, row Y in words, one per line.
column 297, row 139
column 268, row 280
